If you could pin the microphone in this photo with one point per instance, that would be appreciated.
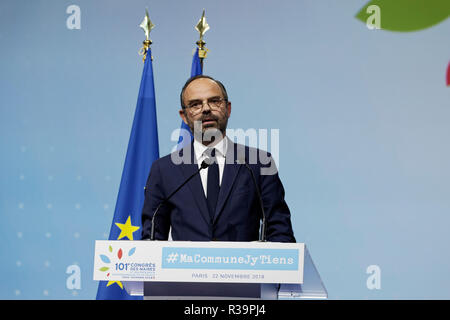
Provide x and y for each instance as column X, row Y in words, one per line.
column 262, row 234
column 203, row 165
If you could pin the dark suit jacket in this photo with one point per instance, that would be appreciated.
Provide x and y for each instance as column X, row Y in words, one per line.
column 237, row 216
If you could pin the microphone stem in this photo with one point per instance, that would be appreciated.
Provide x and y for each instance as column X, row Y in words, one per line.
column 152, row 230
column 262, row 236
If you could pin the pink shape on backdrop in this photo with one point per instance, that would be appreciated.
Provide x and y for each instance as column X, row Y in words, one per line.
column 448, row 74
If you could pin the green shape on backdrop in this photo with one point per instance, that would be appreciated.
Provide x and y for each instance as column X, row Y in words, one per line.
column 408, row 15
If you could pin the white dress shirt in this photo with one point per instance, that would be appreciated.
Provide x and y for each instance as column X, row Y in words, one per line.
column 221, row 151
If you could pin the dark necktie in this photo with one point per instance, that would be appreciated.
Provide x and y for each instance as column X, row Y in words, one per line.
column 213, row 187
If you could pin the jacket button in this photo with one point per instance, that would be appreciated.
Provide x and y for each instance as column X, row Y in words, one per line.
column 214, row 239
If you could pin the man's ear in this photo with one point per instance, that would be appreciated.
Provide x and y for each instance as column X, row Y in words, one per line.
column 229, row 109
column 182, row 113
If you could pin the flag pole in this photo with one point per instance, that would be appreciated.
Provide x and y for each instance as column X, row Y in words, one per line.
column 202, row 26
column 142, row 151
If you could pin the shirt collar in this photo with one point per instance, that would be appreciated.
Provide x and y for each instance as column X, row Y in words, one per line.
column 221, row 148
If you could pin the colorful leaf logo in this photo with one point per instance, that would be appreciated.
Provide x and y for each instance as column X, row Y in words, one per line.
column 107, row 260
column 407, row 15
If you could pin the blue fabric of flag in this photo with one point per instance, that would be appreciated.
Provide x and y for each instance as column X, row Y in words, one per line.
column 143, row 149
column 185, row 133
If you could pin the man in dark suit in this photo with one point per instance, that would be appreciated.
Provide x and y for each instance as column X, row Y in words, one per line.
column 221, row 201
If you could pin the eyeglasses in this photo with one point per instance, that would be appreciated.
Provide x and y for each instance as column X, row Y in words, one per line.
column 214, row 103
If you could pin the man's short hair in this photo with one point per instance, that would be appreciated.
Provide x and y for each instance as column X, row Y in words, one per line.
column 201, row 76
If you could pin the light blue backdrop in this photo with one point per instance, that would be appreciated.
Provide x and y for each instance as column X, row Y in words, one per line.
column 363, row 118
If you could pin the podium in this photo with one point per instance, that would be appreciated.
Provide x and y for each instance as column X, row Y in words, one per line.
column 209, row 270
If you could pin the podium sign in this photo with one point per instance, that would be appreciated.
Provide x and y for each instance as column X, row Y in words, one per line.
column 186, row 261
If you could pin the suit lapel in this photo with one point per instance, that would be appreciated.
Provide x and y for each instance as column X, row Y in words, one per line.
column 230, row 172
column 195, row 185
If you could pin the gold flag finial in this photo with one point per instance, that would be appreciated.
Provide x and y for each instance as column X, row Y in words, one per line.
column 202, row 26
column 147, row 26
